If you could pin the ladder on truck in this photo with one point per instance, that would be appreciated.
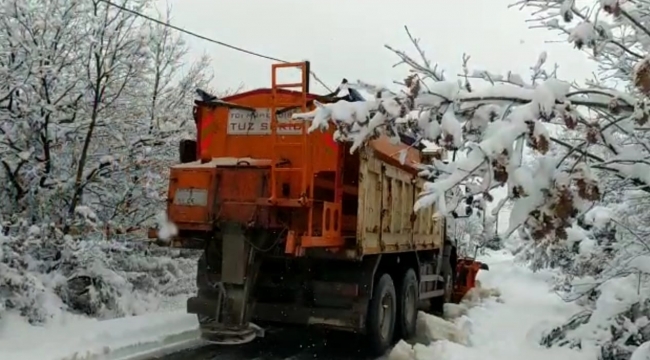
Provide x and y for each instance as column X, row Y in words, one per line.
column 300, row 141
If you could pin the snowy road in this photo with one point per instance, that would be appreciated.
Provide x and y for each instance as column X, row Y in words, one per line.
column 506, row 330
column 293, row 344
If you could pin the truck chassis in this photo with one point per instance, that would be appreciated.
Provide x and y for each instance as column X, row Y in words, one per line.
column 378, row 296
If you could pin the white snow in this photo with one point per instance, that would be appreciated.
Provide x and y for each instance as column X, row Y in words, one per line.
column 166, row 229
column 642, row 353
column 598, row 216
column 84, row 338
column 583, row 32
column 86, row 212
column 509, row 328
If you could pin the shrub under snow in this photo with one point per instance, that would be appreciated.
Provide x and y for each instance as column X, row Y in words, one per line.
column 44, row 274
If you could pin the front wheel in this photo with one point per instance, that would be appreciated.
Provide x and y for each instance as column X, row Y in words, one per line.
column 381, row 315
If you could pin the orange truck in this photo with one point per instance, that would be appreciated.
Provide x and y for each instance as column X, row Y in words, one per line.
column 297, row 230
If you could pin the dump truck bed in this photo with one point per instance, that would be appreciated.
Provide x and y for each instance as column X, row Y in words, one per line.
column 387, row 192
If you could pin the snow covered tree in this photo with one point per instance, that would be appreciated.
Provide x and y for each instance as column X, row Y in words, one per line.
column 93, row 101
column 82, row 105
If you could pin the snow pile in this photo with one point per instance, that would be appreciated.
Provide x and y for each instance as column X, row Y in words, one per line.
column 432, row 328
column 44, row 276
column 74, row 338
column 503, row 330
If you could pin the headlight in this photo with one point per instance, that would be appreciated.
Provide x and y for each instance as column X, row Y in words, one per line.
column 191, row 197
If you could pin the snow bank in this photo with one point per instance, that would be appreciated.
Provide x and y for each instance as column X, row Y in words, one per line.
column 500, row 330
column 82, row 338
column 432, row 328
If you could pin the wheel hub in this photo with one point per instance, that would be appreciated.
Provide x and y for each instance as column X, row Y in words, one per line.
column 386, row 313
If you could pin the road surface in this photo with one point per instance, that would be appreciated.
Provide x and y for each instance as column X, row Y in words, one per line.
column 284, row 344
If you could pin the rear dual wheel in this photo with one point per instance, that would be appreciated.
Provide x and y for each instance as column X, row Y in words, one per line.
column 407, row 311
column 382, row 311
column 391, row 312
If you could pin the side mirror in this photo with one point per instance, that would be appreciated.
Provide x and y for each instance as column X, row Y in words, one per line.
column 485, row 267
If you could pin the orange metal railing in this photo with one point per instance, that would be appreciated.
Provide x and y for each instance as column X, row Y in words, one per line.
column 304, row 167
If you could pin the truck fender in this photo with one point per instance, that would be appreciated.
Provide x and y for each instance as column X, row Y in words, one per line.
column 370, row 266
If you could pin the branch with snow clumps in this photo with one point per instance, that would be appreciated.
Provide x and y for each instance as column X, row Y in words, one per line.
column 491, row 126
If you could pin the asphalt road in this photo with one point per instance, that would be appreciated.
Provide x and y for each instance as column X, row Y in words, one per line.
column 282, row 344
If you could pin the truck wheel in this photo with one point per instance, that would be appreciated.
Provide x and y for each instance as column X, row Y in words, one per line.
column 381, row 315
column 407, row 309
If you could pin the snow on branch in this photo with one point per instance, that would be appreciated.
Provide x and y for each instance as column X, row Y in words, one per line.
column 488, row 126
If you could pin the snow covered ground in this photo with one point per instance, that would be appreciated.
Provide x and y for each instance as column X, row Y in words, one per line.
column 82, row 338
column 508, row 329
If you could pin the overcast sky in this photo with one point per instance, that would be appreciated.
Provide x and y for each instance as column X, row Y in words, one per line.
column 345, row 38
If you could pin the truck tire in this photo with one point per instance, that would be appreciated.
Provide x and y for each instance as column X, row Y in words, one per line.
column 407, row 309
column 382, row 311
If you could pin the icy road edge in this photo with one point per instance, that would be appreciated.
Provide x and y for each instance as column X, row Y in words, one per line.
column 130, row 338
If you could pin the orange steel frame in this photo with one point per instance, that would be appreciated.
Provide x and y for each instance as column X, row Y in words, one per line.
column 304, row 143
column 309, row 155
column 331, row 215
